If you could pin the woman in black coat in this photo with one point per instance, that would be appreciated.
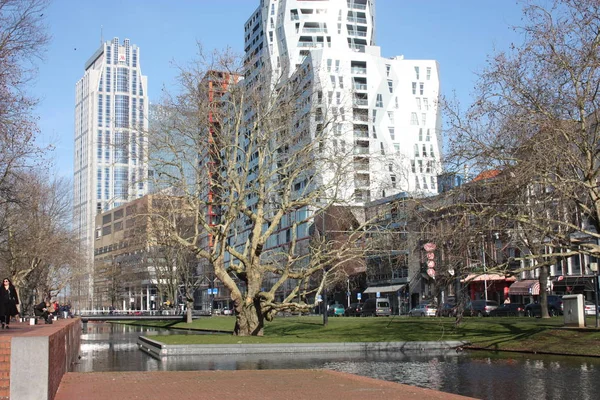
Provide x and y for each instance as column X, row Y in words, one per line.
column 8, row 302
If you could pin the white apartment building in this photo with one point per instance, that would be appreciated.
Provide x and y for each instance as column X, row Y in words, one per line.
column 110, row 165
column 386, row 109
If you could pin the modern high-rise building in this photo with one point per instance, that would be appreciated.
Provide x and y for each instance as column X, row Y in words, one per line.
column 386, row 109
column 110, row 166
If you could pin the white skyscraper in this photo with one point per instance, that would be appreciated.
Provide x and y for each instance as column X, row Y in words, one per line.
column 387, row 108
column 110, row 166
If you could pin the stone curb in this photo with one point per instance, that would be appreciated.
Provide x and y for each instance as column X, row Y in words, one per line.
column 158, row 349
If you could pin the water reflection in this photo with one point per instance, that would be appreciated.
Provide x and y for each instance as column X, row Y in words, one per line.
column 108, row 347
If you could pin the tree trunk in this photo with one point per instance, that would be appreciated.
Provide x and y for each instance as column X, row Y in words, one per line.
column 188, row 311
column 249, row 320
column 543, row 294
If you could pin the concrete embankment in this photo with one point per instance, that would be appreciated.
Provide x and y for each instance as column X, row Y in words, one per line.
column 159, row 350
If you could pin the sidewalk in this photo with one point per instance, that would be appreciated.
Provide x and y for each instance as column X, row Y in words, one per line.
column 234, row 385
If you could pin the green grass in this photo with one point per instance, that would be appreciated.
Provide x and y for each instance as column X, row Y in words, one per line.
column 518, row 334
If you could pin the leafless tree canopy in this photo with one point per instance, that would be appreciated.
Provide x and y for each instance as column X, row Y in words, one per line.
column 253, row 161
column 534, row 122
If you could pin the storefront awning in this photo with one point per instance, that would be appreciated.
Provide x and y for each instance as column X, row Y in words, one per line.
column 525, row 288
column 487, row 277
column 383, row 289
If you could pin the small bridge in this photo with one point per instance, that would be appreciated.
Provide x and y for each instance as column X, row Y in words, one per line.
column 132, row 316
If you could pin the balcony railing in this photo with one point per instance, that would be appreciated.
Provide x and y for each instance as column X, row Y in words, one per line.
column 360, row 117
column 361, row 150
column 353, row 5
column 358, row 70
column 360, row 86
column 360, row 102
column 357, row 33
column 357, row 20
column 314, row 30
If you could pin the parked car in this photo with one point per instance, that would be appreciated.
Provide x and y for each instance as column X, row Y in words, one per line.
column 355, row 310
column 448, row 310
column 227, row 311
column 376, row 308
column 555, row 307
column 508, row 309
column 480, row 308
column 589, row 308
column 336, row 310
column 423, row 310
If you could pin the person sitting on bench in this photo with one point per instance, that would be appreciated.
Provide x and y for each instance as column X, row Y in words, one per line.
column 41, row 310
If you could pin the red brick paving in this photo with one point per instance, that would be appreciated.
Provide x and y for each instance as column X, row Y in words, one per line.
column 233, row 385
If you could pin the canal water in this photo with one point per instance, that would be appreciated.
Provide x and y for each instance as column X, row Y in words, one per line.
column 112, row 347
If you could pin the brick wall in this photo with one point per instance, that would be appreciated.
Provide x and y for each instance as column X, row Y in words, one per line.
column 4, row 367
column 47, row 347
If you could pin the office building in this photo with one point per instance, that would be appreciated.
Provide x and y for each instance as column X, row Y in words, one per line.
column 110, row 165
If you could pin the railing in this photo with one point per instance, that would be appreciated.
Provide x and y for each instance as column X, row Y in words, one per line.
column 358, row 33
column 360, row 102
column 358, row 70
column 314, row 30
column 361, row 150
column 361, row 134
column 357, row 20
column 357, row 6
column 361, row 118
column 360, row 86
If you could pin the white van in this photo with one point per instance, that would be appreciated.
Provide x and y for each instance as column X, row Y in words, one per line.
column 376, row 308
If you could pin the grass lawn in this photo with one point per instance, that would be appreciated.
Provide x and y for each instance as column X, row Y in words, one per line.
column 521, row 334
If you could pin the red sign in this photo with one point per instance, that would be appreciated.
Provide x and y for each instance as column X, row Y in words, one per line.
column 429, row 246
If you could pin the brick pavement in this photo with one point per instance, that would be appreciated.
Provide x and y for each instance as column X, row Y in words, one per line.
column 234, row 385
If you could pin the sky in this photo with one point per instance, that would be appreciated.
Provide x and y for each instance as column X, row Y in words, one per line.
column 459, row 34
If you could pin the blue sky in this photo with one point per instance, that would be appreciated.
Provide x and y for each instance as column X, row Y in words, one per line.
column 460, row 34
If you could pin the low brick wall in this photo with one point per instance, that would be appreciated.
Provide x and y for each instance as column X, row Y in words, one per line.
column 4, row 367
column 39, row 357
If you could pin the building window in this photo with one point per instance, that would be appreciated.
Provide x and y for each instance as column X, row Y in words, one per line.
column 329, row 61
column 391, row 167
column 381, row 148
column 433, row 182
column 414, row 88
column 396, row 102
column 414, row 120
column 428, row 167
column 393, row 178
column 122, row 79
column 424, row 151
column 337, row 69
column 413, row 166
column 427, row 137
column 416, row 150
column 417, row 73
column 374, row 115
column 426, row 103
column 391, row 116
column 420, row 134
column 420, row 162
column 424, row 183
column 421, row 88
column 387, row 69
column 374, row 133
column 379, row 102
column 391, row 86
column 431, row 153
column 418, row 100
column 417, row 184
column 397, row 147
column 341, row 79
column 108, row 85
column 392, row 133
column 428, row 77
column 423, row 119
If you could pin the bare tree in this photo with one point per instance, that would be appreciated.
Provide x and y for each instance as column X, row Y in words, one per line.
column 254, row 162
column 37, row 246
column 535, row 119
column 22, row 41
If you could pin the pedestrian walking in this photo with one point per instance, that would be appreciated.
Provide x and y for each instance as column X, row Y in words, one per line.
column 8, row 302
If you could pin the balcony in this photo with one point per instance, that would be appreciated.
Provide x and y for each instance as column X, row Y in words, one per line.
column 357, row 20
column 356, row 6
column 357, row 33
column 314, row 30
column 360, row 87
column 358, row 70
column 360, row 102
column 360, row 117
column 361, row 134
column 361, row 150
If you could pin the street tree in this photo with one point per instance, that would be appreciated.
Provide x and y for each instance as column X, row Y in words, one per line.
column 254, row 162
column 534, row 118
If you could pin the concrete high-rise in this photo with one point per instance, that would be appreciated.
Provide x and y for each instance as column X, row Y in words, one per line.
column 110, row 165
column 386, row 109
